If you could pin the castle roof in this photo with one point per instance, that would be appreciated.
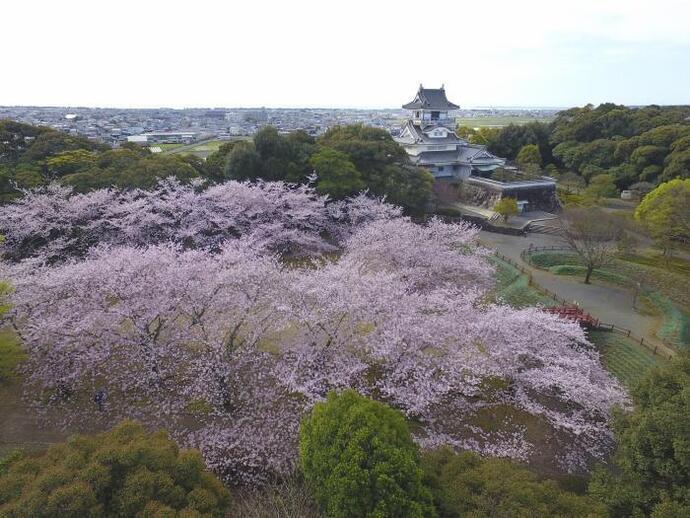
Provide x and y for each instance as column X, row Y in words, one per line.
column 431, row 99
column 417, row 134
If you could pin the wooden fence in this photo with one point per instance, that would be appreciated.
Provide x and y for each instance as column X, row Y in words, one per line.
column 601, row 326
column 530, row 280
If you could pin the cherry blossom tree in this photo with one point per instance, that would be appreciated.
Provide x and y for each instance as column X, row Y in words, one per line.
column 426, row 344
column 55, row 224
column 183, row 308
column 143, row 319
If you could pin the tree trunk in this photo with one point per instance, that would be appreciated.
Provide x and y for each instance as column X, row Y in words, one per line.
column 590, row 269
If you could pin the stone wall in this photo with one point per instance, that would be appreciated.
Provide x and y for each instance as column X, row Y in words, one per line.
column 539, row 197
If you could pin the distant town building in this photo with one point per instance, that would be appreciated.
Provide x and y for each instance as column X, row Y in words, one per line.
column 164, row 137
column 215, row 114
column 429, row 138
column 142, row 140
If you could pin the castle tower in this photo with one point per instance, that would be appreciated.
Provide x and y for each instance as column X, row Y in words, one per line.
column 429, row 138
column 430, row 107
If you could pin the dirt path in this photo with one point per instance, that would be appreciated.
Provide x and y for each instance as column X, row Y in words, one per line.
column 609, row 304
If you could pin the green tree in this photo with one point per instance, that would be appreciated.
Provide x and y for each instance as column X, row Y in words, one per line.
column 243, row 162
column 465, row 132
column 665, row 212
column 27, row 176
column 15, row 139
column 508, row 141
column 337, row 176
column 215, row 163
column 126, row 170
column 506, row 207
column 274, row 153
column 528, row 155
column 652, row 462
column 601, row 186
column 644, row 156
column 643, row 188
column 593, row 235
column 571, row 181
column 51, row 143
column 485, row 136
column 677, row 163
column 359, row 456
column 68, row 162
column 466, row 484
column 124, row 472
column 382, row 163
column 409, row 187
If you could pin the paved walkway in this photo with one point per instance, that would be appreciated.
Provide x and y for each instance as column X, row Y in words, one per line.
column 610, row 304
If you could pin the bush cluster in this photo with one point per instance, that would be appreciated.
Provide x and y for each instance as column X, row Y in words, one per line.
column 124, row 472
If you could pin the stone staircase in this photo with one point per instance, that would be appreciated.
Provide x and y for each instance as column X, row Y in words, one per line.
column 496, row 218
column 544, row 228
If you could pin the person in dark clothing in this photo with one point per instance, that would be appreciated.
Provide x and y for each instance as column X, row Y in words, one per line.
column 100, row 398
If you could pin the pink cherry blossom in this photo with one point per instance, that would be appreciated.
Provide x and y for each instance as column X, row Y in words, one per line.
column 186, row 305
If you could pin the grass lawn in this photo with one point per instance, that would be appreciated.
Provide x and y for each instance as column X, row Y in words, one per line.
column 625, row 358
column 497, row 121
column 20, row 426
column 665, row 290
column 167, row 147
column 210, row 145
column 11, row 356
column 512, row 287
column 200, row 149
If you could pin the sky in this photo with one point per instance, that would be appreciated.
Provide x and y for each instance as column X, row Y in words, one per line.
column 343, row 54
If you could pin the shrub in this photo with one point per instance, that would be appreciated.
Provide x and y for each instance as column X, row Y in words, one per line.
column 601, row 186
column 506, row 207
column 466, row 484
column 574, row 200
column 651, row 475
column 124, row 472
column 359, row 456
column 549, row 259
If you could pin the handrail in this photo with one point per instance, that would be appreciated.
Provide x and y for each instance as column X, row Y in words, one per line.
column 602, row 326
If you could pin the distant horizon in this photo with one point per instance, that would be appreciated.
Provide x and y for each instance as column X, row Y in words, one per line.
column 278, row 107
column 353, row 108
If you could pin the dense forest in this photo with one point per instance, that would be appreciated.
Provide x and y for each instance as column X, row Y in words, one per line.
column 629, row 145
column 346, row 160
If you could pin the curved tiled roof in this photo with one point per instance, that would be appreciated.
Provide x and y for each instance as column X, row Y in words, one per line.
column 431, row 99
column 420, row 136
